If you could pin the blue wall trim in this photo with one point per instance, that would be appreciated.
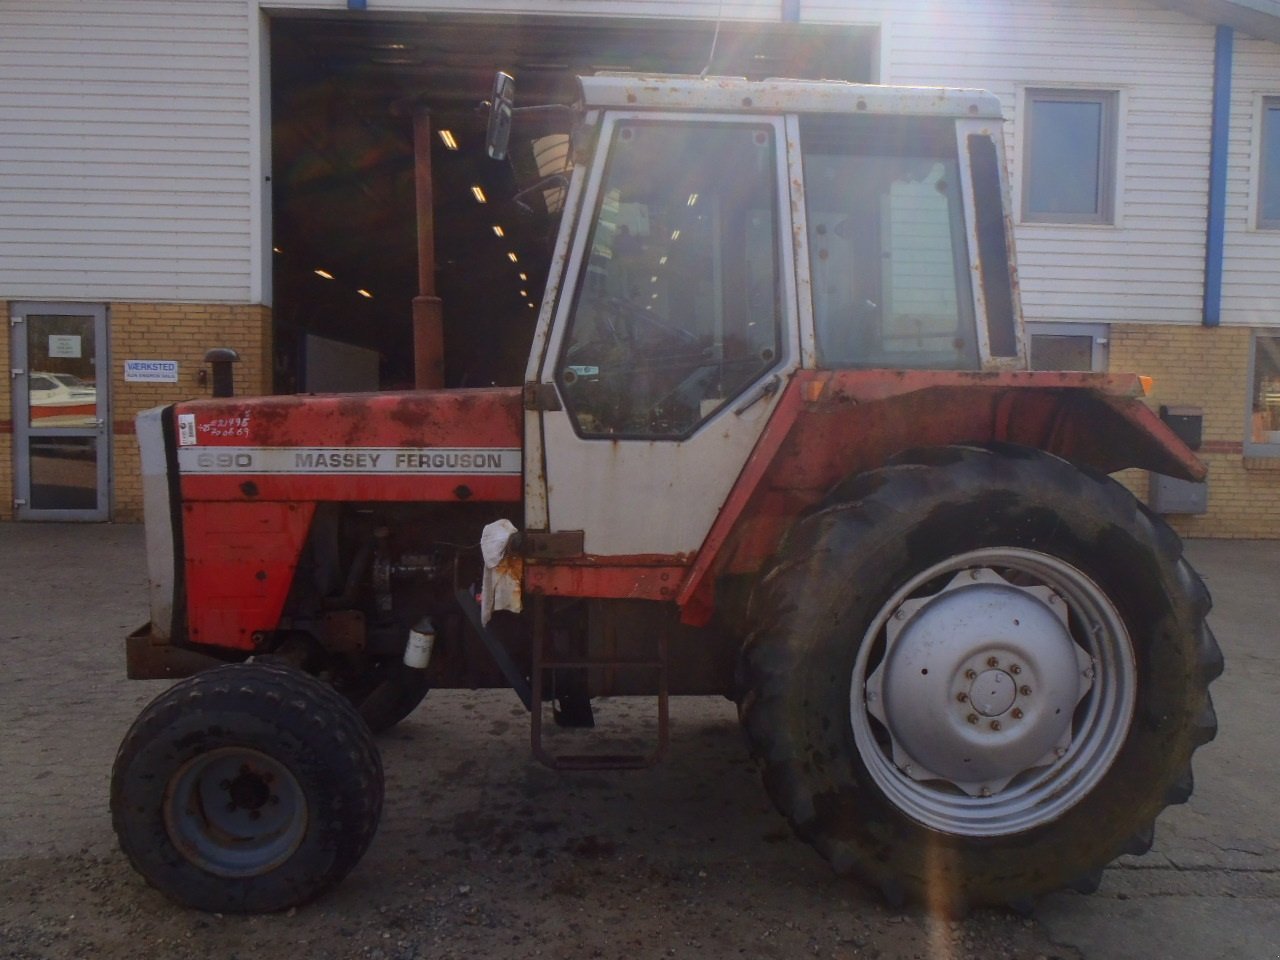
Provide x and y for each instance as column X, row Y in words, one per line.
column 1215, row 230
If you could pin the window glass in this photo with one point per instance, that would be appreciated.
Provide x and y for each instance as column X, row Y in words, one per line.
column 1269, row 175
column 1068, row 174
column 1066, row 352
column 1265, row 390
column 993, row 246
column 677, row 309
column 887, row 248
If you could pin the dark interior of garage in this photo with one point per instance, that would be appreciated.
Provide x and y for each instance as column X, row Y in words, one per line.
column 345, row 221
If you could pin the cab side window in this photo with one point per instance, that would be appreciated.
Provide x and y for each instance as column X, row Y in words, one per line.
column 677, row 308
column 888, row 256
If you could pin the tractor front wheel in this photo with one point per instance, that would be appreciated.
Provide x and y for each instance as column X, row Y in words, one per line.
column 977, row 675
column 247, row 788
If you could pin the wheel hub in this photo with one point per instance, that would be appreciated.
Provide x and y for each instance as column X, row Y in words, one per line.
column 978, row 682
column 235, row 811
column 993, row 693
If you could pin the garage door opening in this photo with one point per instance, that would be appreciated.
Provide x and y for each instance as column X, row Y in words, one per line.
column 345, row 90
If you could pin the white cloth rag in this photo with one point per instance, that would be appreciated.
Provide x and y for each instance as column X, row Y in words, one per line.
column 500, row 589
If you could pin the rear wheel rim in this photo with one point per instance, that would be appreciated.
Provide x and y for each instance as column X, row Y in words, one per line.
column 1004, row 661
column 235, row 812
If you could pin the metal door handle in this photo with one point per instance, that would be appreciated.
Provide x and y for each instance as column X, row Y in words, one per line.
column 766, row 389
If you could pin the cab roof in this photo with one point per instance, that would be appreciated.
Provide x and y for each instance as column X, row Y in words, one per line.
column 736, row 95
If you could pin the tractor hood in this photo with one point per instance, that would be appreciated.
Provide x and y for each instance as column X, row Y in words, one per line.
column 442, row 445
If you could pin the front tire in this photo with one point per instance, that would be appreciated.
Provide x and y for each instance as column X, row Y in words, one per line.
column 977, row 675
column 247, row 788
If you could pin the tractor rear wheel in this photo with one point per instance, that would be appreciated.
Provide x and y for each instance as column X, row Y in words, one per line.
column 247, row 788
column 977, row 675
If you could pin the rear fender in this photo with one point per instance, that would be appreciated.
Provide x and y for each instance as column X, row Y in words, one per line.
column 830, row 425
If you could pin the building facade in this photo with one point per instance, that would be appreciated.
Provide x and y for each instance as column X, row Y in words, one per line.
column 137, row 225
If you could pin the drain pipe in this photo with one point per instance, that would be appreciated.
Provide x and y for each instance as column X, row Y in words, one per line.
column 1215, row 227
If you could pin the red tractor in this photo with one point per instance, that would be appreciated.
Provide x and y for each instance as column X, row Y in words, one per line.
column 776, row 440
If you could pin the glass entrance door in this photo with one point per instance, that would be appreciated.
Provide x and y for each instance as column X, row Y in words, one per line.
column 60, row 411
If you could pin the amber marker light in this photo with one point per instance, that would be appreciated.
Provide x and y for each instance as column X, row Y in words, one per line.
column 1147, row 384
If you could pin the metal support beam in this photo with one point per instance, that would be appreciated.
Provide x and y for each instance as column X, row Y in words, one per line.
column 428, row 314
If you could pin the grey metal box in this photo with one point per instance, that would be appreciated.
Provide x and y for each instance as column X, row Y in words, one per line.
column 1170, row 495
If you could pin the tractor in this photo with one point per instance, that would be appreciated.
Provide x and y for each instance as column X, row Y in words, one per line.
column 777, row 440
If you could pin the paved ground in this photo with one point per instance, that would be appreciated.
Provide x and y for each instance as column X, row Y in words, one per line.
column 484, row 853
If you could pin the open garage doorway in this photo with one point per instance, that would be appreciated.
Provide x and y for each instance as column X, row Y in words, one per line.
column 345, row 88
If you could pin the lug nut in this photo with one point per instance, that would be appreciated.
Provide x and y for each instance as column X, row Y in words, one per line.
column 992, row 662
column 1024, row 690
column 972, row 718
column 971, row 675
column 995, row 724
column 962, row 696
column 1017, row 714
column 1015, row 669
column 985, row 792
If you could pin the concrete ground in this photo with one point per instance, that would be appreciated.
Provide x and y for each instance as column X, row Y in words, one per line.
column 484, row 853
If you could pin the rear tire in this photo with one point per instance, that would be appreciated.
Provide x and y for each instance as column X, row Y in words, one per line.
column 977, row 675
column 247, row 788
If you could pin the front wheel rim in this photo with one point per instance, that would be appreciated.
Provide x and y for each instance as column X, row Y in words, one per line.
column 235, row 812
column 992, row 692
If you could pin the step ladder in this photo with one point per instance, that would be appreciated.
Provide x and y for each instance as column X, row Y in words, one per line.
column 543, row 660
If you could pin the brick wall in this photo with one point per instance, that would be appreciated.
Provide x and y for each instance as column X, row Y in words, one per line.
column 157, row 331
column 181, row 332
column 1192, row 365
column 1206, row 367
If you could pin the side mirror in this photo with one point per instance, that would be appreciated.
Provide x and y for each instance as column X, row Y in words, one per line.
column 500, row 106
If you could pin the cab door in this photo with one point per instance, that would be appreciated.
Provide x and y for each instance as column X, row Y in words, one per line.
column 673, row 333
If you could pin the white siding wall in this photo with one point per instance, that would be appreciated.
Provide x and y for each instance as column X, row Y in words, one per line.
column 128, row 150
column 666, row 9
column 1150, row 265
column 1251, row 274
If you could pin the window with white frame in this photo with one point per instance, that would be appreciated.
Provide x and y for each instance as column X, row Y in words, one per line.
column 1069, row 156
column 1068, row 346
column 1264, row 393
column 1269, row 166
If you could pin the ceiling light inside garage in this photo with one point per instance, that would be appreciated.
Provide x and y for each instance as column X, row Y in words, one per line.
column 447, row 138
column 478, row 194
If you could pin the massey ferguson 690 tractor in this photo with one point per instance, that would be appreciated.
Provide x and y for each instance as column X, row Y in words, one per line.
column 777, row 440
